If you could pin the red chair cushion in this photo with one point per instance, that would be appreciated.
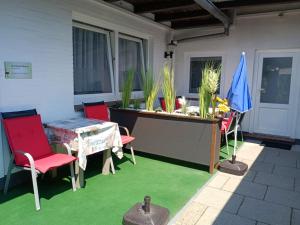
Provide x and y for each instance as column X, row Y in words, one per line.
column 126, row 139
column 99, row 112
column 162, row 104
column 226, row 122
column 27, row 134
column 52, row 161
column 177, row 104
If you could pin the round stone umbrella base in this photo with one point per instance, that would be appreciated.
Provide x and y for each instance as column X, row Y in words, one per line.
column 235, row 168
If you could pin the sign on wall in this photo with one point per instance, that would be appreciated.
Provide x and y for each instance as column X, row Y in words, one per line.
column 18, row 70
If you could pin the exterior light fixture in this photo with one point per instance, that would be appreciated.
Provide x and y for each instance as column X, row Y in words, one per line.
column 171, row 47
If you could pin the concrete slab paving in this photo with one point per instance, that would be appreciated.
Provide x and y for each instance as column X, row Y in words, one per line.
column 220, row 199
column 283, row 197
column 245, row 188
column 295, row 217
column 275, row 180
column 282, row 160
column 287, row 171
column 268, row 194
column 218, row 181
column 265, row 212
column 192, row 214
column 213, row 216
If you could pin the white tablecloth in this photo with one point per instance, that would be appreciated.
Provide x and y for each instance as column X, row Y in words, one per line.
column 87, row 136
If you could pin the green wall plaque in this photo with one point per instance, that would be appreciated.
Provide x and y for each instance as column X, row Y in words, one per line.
column 18, row 70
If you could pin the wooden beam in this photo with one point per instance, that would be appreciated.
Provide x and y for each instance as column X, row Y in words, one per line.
column 209, row 6
column 162, row 6
column 164, row 17
column 185, row 24
column 240, row 3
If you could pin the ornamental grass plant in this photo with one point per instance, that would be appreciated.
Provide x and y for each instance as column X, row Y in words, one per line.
column 168, row 88
column 127, row 88
column 150, row 89
column 209, row 86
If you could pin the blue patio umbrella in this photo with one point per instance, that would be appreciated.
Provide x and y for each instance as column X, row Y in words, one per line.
column 239, row 100
column 238, row 96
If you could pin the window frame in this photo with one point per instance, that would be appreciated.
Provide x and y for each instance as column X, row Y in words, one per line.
column 135, row 94
column 187, row 61
column 96, row 96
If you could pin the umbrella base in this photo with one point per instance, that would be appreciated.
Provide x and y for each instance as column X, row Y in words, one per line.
column 235, row 168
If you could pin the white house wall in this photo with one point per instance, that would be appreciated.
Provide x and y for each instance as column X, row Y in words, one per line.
column 248, row 34
column 40, row 32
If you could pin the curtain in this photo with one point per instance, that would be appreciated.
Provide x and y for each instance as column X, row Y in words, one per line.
column 130, row 58
column 91, row 62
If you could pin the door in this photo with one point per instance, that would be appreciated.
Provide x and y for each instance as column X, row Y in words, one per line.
column 276, row 94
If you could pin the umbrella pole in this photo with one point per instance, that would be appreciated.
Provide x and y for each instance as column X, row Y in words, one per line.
column 233, row 166
column 235, row 137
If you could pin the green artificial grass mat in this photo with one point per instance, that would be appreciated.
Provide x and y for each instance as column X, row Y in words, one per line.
column 104, row 199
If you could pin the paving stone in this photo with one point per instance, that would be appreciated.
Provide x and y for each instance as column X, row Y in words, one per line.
column 295, row 148
column 287, row 171
column 282, row 160
column 283, row 197
column 297, row 184
column 262, row 166
column 192, row 214
column 296, row 217
column 265, row 212
column 246, row 188
column 213, row 216
column 249, row 175
column 218, row 181
column 251, row 153
column 219, row 199
column 274, row 180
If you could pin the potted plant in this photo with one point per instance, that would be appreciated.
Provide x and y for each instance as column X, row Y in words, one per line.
column 168, row 88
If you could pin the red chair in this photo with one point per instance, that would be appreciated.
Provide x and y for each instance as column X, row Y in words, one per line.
column 99, row 111
column 226, row 127
column 163, row 104
column 30, row 148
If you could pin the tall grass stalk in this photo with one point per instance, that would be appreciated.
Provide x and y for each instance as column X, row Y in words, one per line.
column 150, row 88
column 168, row 88
column 127, row 89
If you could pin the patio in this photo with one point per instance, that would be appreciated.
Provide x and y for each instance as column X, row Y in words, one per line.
column 267, row 194
column 104, row 199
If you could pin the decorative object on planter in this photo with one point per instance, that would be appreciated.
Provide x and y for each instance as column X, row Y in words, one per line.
column 146, row 214
column 209, row 86
column 222, row 105
column 184, row 104
column 150, row 88
column 239, row 100
column 168, row 88
column 127, row 89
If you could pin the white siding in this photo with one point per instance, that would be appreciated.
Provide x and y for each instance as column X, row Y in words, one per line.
column 40, row 32
column 249, row 35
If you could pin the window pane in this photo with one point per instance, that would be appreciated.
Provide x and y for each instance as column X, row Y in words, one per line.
column 197, row 64
column 130, row 58
column 276, row 80
column 91, row 62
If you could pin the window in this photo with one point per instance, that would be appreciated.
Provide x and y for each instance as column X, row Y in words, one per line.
column 131, row 57
column 92, row 62
column 197, row 64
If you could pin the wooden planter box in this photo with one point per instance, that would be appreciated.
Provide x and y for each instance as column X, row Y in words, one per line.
column 184, row 138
